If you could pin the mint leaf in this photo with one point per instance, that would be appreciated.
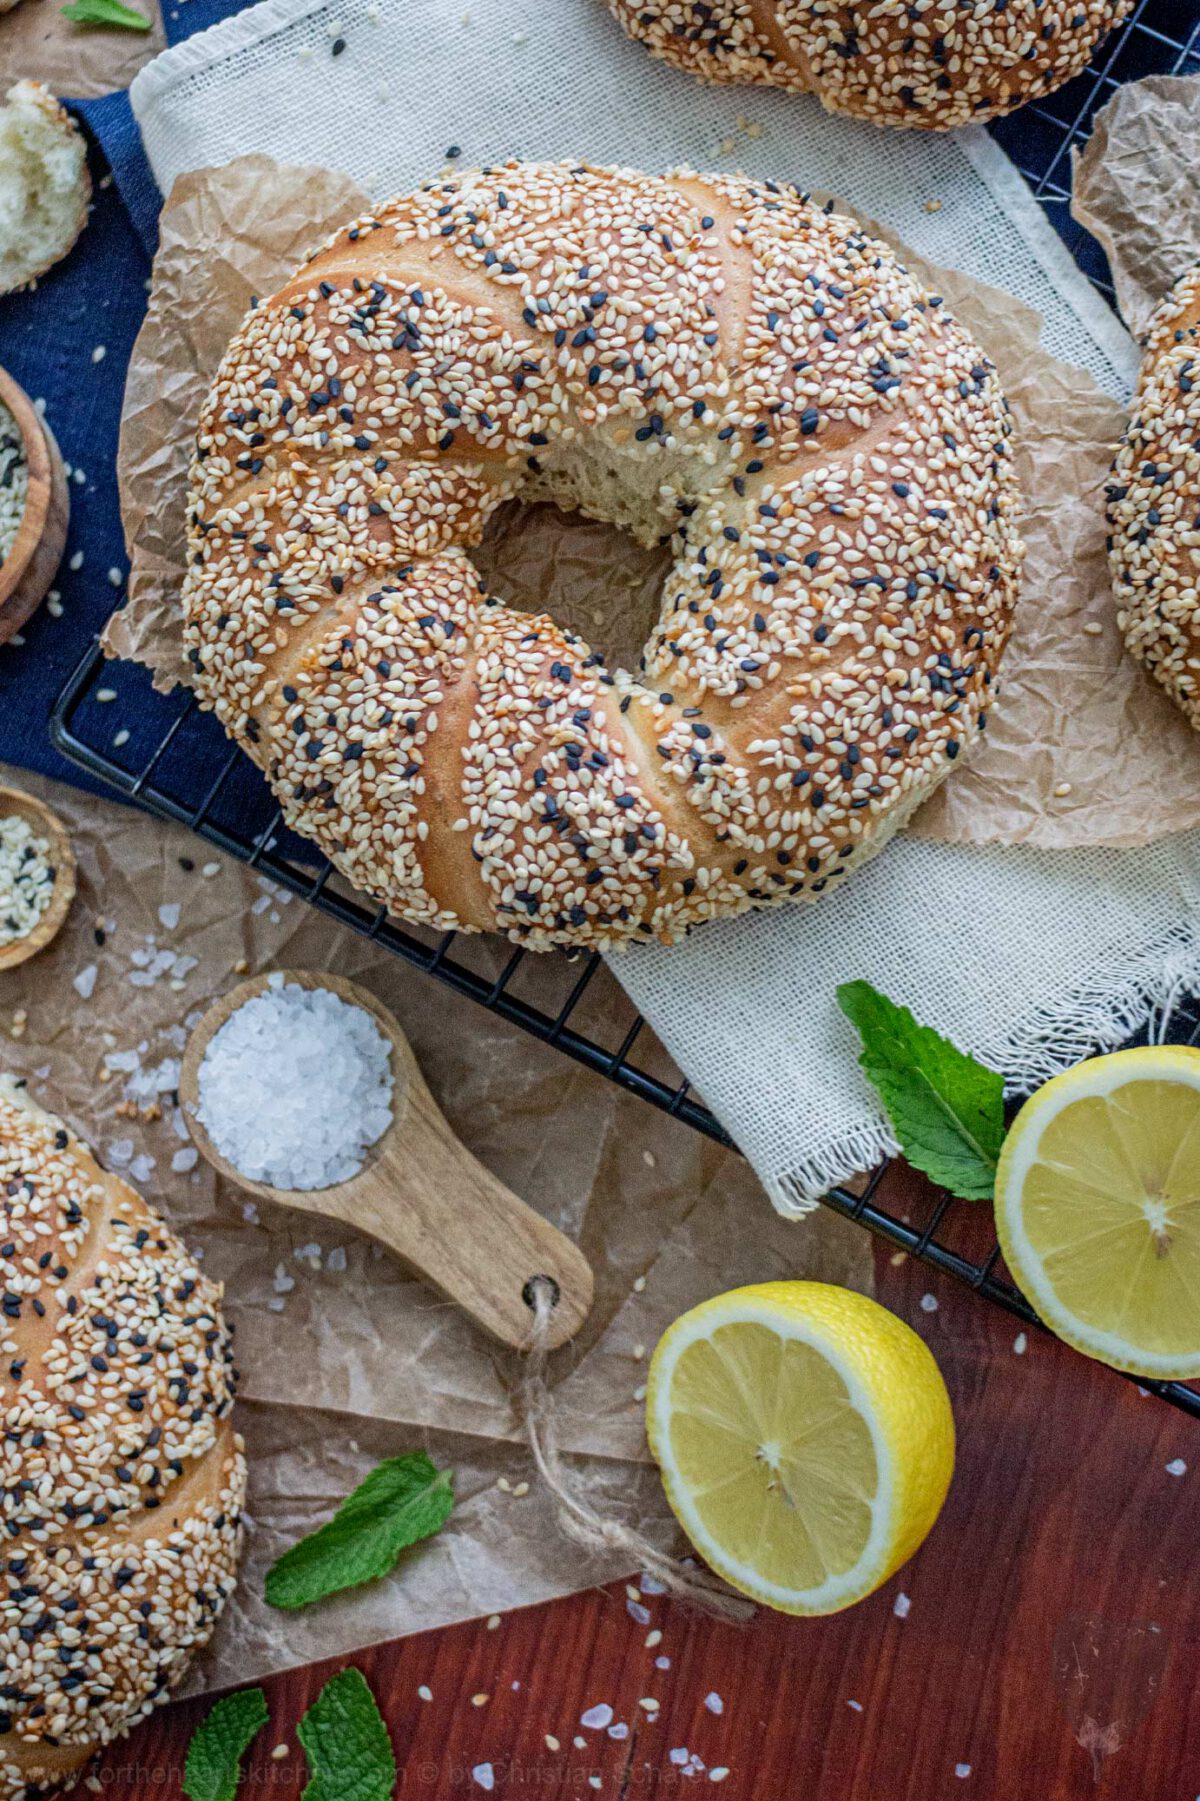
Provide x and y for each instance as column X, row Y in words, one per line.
column 349, row 1752
column 403, row 1500
column 105, row 12
column 214, row 1757
column 946, row 1109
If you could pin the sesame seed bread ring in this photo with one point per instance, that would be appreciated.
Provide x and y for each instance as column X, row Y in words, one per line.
column 1154, row 502
column 894, row 62
column 123, row 1481
column 699, row 358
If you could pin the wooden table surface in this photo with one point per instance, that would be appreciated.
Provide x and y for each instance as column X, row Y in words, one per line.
column 1048, row 1646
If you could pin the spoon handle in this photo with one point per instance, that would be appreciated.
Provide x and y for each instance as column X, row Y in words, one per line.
column 455, row 1223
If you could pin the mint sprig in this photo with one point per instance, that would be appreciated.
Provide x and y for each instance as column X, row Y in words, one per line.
column 214, row 1757
column 105, row 12
column 946, row 1109
column 349, row 1750
column 403, row 1500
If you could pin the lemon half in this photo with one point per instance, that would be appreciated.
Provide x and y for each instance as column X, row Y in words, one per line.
column 805, row 1439
column 1098, row 1208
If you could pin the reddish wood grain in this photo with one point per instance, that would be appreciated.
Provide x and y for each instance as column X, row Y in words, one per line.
column 1050, row 1642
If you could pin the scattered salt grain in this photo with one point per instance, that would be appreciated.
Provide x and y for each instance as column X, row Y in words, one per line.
column 1020, row 1344
column 714, row 1703
column 638, row 1612
column 900, row 1607
column 653, row 1638
column 99, row 353
column 650, row 1585
column 483, row 1776
column 335, row 1263
column 662, row 1663
column 425, row 1692
column 598, row 1717
column 1176, row 1467
column 929, row 1303
column 184, row 1160
column 618, row 1730
column 551, row 1743
column 168, row 915
column 295, row 1086
column 856, row 1705
column 718, row 1773
column 962, row 1769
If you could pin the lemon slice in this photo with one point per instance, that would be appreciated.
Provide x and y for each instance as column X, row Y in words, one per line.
column 1098, row 1208
column 805, row 1440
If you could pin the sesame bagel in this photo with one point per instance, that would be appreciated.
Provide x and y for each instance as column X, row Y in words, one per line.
column 930, row 63
column 123, row 1481
column 701, row 359
column 1154, row 502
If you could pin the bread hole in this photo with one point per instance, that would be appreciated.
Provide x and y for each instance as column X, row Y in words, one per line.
column 590, row 576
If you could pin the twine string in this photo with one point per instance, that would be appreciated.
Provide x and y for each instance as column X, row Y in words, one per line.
column 576, row 1515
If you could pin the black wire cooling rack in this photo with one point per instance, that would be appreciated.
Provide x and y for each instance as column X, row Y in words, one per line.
column 175, row 761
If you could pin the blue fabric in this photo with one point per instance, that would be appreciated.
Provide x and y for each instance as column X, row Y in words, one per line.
column 48, row 341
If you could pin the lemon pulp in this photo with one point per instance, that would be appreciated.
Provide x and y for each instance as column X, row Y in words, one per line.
column 1098, row 1208
column 805, row 1440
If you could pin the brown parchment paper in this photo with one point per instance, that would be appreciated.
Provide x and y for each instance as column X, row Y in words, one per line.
column 1082, row 747
column 80, row 61
column 1137, row 188
column 346, row 1359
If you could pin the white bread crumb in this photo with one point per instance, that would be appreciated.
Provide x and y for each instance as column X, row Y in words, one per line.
column 44, row 184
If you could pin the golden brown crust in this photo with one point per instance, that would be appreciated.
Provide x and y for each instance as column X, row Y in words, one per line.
column 1154, row 502
column 892, row 63
column 701, row 358
column 121, row 1479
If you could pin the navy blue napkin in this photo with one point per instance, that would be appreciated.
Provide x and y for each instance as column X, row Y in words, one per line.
column 68, row 343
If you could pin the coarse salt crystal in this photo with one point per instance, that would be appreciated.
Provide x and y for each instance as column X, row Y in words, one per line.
column 1176, row 1467
column 900, row 1607
column 84, row 983
column 168, row 915
column 962, row 1769
column 296, row 1086
column 714, row 1703
column 596, row 1718
column 484, row 1776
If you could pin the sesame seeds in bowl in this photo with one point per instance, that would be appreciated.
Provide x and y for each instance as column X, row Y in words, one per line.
column 34, row 507
column 37, row 876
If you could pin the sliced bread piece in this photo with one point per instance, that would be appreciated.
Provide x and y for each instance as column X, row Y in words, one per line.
column 44, row 184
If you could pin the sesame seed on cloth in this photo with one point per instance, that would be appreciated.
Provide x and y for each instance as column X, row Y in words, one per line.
column 1153, row 502
column 703, row 360
column 121, row 1480
column 930, row 63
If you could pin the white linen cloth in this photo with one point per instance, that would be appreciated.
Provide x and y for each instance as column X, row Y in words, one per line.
column 1026, row 958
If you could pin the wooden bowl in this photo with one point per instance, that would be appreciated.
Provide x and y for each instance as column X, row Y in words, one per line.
column 37, row 550
column 46, row 824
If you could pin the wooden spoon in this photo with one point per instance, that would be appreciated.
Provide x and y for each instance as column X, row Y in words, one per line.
column 29, row 568
column 422, row 1193
column 45, row 824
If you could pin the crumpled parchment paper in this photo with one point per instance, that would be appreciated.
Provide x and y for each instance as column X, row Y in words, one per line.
column 1136, row 188
column 345, row 1358
column 82, row 61
column 1082, row 747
